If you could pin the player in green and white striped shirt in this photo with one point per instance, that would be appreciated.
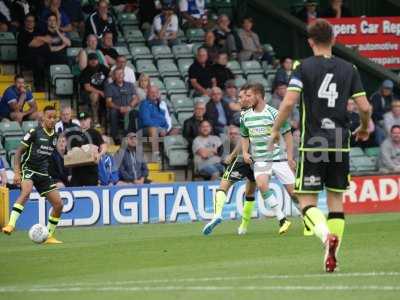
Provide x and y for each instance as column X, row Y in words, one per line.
column 255, row 129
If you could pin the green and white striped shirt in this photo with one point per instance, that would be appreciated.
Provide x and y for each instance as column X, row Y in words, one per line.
column 257, row 127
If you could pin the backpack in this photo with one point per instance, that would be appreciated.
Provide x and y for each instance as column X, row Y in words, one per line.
column 108, row 174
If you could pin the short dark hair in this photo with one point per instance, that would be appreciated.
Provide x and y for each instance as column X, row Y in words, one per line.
column 52, row 15
column 257, row 88
column 321, row 32
column 394, row 127
column 48, row 108
column 245, row 87
column 18, row 76
column 107, row 32
column 201, row 48
column 204, row 121
column 30, row 15
column 250, row 19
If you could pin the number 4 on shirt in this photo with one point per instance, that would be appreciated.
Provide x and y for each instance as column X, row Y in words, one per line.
column 328, row 91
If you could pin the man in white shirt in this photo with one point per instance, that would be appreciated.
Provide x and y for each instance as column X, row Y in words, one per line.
column 165, row 27
column 129, row 73
column 193, row 13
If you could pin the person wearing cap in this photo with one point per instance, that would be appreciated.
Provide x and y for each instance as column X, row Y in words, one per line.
column 121, row 99
column 220, row 70
column 231, row 97
column 164, row 30
column 93, row 79
column 309, row 12
column 87, row 175
column 133, row 168
column 381, row 100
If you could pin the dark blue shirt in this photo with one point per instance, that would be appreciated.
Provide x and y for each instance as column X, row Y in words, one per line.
column 11, row 94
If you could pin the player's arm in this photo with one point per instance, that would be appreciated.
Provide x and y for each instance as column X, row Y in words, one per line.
column 17, row 163
column 365, row 112
column 245, row 149
column 235, row 152
column 288, row 137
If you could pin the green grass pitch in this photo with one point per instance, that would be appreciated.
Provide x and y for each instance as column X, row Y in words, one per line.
column 174, row 261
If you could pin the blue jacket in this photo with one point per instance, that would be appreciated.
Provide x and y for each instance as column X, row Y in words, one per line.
column 132, row 166
column 108, row 174
column 151, row 115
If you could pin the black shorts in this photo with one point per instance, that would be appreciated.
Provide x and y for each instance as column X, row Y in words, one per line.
column 237, row 171
column 318, row 170
column 44, row 184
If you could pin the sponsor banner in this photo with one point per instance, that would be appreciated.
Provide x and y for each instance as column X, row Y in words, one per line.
column 377, row 38
column 373, row 194
column 153, row 203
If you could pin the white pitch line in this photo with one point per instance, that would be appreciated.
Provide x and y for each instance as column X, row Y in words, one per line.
column 203, row 279
column 204, row 288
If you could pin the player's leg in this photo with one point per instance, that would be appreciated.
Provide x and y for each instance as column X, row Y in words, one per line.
column 57, row 204
column 248, row 205
column 336, row 221
column 219, row 202
column 18, row 207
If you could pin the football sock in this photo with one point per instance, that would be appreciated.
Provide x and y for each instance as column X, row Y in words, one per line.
column 219, row 202
column 336, row 223
column 15, row 213
column 247, row 211
column 52, row 224
column 316, row 221
column 269, row 196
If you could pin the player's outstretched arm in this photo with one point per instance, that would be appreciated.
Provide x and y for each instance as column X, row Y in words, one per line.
column 17, row 164
column 365, row 111
column 285, row 109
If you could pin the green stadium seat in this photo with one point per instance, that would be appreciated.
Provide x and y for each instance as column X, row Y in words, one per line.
column 203, row 99
column 240, row 81
column 174, row 122
column 161, row 52
column 195, row 35
column 234, row 66
column 73, row 51
column 11, row 143
column 175, row 86
column 174, row 142
column 184, row 65
column 364, row 164
column 140, row 52
column 182, row 51
column 122, row 50
column 184, row 115
column 181, row 101
column 133, row 36
column 372, row 152
column 28, row 125
column 356, row 152
column 127, row 19
column 147, row 67
column 76, row 40
column 157, row 82
column 167, row 68
column 195, row 47
column 8, row 47
column 62, row 80
column 178, row 157
column 251, row 67
column 10, row 129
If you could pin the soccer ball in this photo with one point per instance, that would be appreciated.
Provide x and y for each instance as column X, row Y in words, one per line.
column 38, row 233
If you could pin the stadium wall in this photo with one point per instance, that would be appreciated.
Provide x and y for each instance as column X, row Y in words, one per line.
column 189, row 202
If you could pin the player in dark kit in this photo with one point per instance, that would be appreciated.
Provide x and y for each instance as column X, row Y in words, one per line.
column 32, row 160
column 324, row 84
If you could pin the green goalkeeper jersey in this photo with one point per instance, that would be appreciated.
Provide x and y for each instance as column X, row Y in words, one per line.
column 257, row 127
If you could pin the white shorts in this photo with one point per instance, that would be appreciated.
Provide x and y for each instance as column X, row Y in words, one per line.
column 280, row 169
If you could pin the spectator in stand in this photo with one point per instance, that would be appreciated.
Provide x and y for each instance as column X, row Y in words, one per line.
column 28, row 55
column 66, row 123
column 164, row 30
column 142, row 86
column 354, row 118
column 3, row 174
column 191, row 125
column 101, row 21
column 12, row 14
column 55, row 41
column 336, row 9
column 73, row 10
column 91, row 47
column 57, row 171
column 148, row 9
column 107, row 49
column 392, row 117
column 133, row 168
column 251, row 46
column 200, row 74
column 193, row 13
column 276, row 99
column 87, row 175
column 129, row 73
column 211, row 47
column 93, row 79
column 221, row 72
column 284, row 72
column 224, row 36
column 121, row 100
column 152, row 120
column 232, row 98
column 309, row 12
column 64, row 23
column 206, row 150
column 389, row 161
column 13, row 101
column 218, row 111
column 381, row 102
